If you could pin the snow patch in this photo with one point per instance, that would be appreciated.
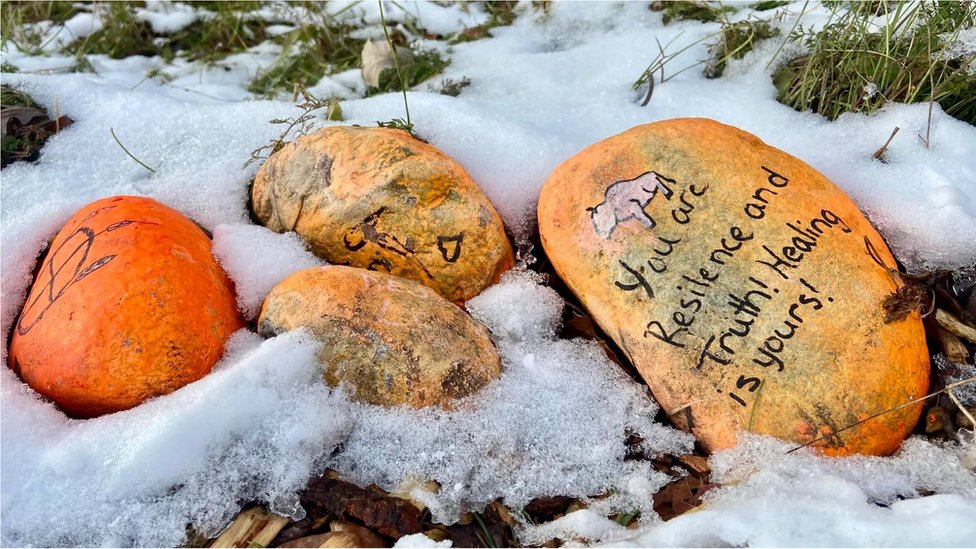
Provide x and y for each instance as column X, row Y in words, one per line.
column 554, row 423
column 257, row 259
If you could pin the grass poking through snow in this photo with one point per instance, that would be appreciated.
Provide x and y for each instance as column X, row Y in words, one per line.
column 854, row 66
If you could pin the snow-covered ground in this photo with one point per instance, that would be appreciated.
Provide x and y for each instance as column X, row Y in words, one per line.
column 556, row 422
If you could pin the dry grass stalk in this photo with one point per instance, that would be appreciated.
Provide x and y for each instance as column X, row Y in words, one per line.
column 880, row 152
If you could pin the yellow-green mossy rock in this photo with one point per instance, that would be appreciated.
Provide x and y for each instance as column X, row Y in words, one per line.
column 394, row 341
column 745, row 287
column 379, row 199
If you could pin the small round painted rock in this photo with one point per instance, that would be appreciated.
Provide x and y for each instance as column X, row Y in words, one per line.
column 128, row 304
column 379, row 199
column 745, row 287
column 393, row 340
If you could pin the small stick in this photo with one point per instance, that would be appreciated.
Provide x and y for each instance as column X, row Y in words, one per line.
column 880, row 152
column 965, row 412
column 253, row 526
column 928, row 127
column 57, row 115
column 954, row 325
column 953, row 347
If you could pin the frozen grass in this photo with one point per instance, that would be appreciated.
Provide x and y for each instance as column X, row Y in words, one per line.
column 858, row 63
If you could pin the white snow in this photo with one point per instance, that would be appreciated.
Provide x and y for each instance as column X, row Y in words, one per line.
column 555, row 422
column 769, row 498
column 167, row 17
column 254, row 429
column 257, row 259
column 420, row 541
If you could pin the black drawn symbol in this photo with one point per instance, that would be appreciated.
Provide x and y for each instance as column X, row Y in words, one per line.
column 627, row 200
column 444, row 242
column 873, row 253
column 379, row 265
column 66, row 265
column 640, row 281
column 368, row 232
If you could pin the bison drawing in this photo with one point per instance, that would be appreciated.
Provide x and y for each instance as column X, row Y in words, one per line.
column 626, row 200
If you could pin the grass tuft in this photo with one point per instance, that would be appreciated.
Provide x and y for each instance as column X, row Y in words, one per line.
column 451, row 87
column 769, row 5
column 321, row 47
column 684, row 10
column 420, row 67
column 735, row 41
column 852, row 67
column 501, row 13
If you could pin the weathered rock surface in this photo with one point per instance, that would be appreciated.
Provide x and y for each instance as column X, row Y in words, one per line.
column 393, row 340
column 379, row 199
column 745, row 287
column 128, row 304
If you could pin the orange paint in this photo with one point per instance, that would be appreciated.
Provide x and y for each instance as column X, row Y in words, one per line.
column 128, row 304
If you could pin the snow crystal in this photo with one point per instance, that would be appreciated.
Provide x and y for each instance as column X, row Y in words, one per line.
column 257, row 259
column 167, row 17
column 420, row 541
column 583, row 525
column 254, row 429
column 882, row 480
column 432, row 16
column 954, row 373
column 555, row 423
column 503, row 308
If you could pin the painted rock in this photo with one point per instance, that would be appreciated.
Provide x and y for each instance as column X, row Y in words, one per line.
column 379, row 199
column 128, row 304
column 744, row 286
column 393, row 340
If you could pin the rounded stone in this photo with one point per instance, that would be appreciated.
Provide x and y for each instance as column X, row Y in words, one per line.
column 128, row 304
column 394, row 341
column 379, row 199
column 746, row 288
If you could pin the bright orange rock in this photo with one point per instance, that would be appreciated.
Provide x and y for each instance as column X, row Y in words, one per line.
column 393, row 340
column 745, row 287
column 128, row 304
column 379, row 199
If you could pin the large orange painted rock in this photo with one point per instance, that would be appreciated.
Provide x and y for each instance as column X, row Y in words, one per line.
column 744, row 286
column 379, row 199
column 128, row 304
column 394, row 341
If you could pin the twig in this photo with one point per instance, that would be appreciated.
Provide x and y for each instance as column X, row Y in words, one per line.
column 948, row 388
column 132, row 156
column 954, row 325
column 965, row 412
column 880, row 152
